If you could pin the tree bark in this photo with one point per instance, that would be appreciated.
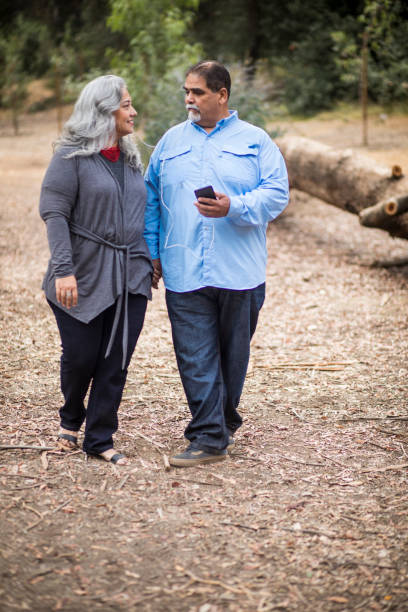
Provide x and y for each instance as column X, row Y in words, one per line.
column 364, row 87
column 349, row 181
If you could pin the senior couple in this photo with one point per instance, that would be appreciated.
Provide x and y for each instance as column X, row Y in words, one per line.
column 112, row 235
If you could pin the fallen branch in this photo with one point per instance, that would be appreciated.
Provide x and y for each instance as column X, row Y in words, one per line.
column 299, row 461
column 358, row 563
column 26, row 447
column 219, row 583
column 246, row 458
column 400, row 466
column 202, row 482
column 23, row 476
column 47, row 513
column 319, row 533
column 44, row 461
column 385, row 418
column 240, row 526
column 342, row 465
column 315, row 365
column 219, row 477
column 166, row 462
column 33, row 486
column 391, row 433
column 138, row 433
column 123, row 481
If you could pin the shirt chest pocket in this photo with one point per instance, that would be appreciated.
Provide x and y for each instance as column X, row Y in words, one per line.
column 240, row 162
column 175, row 163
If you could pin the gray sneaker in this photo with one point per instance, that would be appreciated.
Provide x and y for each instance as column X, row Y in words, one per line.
column 196, row 456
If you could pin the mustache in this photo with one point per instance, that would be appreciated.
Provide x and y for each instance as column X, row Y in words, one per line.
column 192, row 107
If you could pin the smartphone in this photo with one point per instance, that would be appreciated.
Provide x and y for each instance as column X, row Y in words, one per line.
column 205, row 192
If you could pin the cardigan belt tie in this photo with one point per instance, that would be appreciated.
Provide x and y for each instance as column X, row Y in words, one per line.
column 129, row 252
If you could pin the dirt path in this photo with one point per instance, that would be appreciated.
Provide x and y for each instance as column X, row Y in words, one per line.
column 310, row 511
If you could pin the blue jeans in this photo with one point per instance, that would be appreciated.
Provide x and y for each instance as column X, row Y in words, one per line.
column 212, row 329
column 83, row 365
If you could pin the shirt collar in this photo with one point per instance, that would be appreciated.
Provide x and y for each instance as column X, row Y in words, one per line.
column 233, row 116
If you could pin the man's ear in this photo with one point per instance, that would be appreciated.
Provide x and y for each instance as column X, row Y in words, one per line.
column 223, row 95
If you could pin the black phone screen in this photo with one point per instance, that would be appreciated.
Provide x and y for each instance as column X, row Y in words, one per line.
column 205, row 192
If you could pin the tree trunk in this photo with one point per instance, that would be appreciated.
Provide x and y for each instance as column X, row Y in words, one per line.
column 349, row 181
column 364, row 87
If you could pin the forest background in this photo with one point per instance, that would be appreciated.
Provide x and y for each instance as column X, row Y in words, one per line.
column 291, row 57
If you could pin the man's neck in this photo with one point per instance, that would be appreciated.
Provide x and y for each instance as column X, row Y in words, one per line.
column 210, row 128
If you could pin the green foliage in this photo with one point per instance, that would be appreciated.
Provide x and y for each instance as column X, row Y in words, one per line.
column 388, row 78
column 310, row 84
column 388, row 54
column 248, row 97
column 19, row 58
column 155, row 45
column 166, row 107
column 387, row 39
column 156, row 58
column 347, row 59
column 377, row 20
column 312, row 50
column 60, row 40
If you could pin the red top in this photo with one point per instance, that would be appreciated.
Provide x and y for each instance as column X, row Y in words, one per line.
column 112, row 153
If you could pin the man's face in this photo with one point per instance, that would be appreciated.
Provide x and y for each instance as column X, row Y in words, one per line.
column 205, row 107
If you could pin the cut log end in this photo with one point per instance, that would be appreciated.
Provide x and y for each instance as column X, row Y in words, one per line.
column 396, row 172
column 387, row 215
column 391, row 207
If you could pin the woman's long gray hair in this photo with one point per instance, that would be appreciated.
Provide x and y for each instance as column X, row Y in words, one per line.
column 92, row 126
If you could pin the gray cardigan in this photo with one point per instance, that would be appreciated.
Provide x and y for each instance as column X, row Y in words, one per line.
column 95, row 231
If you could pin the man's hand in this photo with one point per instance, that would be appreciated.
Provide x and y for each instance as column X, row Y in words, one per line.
column 157, row 273
column 214, row 208
column 66, row 291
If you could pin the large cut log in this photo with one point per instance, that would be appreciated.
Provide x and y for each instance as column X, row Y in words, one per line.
column 349, row 181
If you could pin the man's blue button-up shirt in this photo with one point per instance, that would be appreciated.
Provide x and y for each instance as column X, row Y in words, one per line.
column 237, row 159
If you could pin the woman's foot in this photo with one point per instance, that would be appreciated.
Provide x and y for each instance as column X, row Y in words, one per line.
column 67, row 440
column 114, row 457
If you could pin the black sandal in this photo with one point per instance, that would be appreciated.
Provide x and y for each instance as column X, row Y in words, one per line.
column 114, row 459
column 63, row 438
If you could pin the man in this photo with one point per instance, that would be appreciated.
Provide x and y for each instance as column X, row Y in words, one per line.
column 212, row 251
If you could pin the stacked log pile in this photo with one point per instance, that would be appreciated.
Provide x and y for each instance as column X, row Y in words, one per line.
column 377, row 194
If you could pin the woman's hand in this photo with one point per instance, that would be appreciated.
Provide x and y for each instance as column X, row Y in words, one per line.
column 157, row 273
column 66, row 291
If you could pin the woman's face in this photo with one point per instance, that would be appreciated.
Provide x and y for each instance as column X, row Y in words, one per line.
column 124, row 115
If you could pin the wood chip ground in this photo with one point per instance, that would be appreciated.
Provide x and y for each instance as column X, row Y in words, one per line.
column 310, row 510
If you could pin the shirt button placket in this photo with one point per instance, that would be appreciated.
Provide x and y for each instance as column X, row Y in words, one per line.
column 207, row 222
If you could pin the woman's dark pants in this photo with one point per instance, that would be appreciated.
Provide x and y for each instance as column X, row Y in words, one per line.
column 83, row 364
column 212, row 329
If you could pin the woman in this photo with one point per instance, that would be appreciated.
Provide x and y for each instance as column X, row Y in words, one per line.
column 100, row 273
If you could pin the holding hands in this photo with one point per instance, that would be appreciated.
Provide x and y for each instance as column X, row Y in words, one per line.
column 157, row 273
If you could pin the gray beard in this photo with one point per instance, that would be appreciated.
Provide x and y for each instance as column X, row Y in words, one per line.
column 194, row 115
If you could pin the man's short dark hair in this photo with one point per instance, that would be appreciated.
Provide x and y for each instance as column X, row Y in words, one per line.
column 215, row 74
